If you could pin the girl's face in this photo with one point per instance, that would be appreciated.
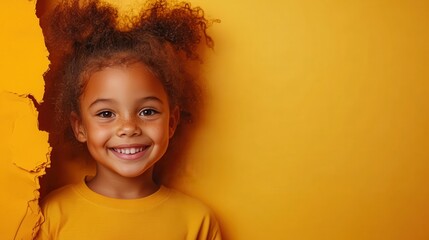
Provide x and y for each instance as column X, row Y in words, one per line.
column 125, row 120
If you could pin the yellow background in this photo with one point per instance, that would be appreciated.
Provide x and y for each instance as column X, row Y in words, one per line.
column 316, row 125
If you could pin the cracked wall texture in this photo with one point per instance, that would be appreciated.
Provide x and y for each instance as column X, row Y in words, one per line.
column 24, row 148
column 316, row 123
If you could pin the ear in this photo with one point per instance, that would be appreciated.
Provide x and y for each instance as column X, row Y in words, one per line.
column 78, row 128
column 173, row 121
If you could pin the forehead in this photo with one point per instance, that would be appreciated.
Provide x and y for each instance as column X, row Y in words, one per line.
column 123, row 82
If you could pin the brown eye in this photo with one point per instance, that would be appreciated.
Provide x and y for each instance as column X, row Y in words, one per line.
column 105, row 114
column 148, row 112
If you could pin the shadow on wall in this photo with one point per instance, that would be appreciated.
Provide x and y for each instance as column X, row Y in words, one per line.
column 70, row 161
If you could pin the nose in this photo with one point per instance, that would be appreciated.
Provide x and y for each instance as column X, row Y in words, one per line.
column 129, row 127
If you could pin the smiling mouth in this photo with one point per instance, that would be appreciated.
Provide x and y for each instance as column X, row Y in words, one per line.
column 129, row 151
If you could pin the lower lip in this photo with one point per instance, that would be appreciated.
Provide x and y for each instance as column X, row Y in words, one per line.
column 134, row 156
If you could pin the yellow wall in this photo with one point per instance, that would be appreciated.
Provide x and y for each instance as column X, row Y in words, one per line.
column 316, row 125
column 23, row 148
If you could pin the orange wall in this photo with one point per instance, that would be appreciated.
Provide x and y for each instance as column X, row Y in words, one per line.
column 316, row 125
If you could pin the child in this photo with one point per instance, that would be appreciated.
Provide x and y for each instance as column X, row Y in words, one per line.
column 123, row 86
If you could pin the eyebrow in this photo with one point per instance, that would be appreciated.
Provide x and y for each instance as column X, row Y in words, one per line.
column 108, row 100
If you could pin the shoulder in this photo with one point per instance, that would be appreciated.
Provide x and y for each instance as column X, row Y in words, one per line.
column 53, row 208
column 197, row 214
column 60, row 197
column 187, row 203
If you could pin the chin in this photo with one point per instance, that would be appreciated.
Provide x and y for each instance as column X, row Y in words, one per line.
column 132, row 173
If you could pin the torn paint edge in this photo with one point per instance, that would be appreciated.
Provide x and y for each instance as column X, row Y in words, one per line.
column 33, row 214
column 31, row 218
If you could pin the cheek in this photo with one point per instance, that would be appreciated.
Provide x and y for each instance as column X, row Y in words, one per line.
column 159, row 133
column 98, row 134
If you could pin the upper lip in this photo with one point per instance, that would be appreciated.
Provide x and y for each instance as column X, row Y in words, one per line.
column 130, row 146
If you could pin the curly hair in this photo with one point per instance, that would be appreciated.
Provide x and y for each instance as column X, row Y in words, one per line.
column 87, row 36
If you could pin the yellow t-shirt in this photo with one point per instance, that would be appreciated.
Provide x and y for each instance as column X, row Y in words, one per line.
column 76, row 212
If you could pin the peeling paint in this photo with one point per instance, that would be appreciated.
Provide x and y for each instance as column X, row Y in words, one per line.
column 24, row 148
column 25, row 158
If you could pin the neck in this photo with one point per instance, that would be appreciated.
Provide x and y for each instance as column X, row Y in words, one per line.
column 114, row 186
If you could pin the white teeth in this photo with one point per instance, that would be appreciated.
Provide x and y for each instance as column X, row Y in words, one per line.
column 128, row 150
